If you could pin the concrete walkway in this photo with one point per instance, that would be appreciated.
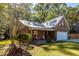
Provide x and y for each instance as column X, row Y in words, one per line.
column 71, row 40
column 74, row 40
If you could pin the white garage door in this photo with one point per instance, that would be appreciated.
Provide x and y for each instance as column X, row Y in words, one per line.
column 62, row 35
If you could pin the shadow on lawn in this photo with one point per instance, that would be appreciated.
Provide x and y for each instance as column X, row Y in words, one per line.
column 63, row 48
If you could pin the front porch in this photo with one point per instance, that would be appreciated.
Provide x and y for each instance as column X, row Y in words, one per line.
column 42, row 36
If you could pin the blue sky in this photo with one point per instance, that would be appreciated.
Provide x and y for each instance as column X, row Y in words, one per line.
column 72, row 4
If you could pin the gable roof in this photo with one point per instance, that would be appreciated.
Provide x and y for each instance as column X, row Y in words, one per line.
column 48, row 25
column 53, row 22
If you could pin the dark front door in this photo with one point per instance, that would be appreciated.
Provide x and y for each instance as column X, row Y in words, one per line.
column 46, row 34
column 50, row 35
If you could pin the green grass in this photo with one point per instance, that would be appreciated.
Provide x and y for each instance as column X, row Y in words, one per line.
column 4, row 42
column 56, row 49
column 49, row 49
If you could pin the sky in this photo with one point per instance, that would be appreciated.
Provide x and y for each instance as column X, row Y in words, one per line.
column 72, row 4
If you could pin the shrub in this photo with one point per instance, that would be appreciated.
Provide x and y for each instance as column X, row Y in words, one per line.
column 26, row 37
column 48, row 41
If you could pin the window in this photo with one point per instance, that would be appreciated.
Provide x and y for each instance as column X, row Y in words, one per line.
column 35, row 32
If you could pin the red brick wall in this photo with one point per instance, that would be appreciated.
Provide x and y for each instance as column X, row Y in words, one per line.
column 24, row 30
column 74, row 36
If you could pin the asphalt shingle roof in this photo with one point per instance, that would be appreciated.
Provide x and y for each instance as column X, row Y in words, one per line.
column 45, row 25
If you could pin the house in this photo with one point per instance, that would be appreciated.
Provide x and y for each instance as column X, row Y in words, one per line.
column 54, row 29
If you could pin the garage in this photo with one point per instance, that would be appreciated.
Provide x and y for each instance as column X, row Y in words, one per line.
column 62, row 35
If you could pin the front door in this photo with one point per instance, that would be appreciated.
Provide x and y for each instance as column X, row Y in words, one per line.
column 46, row 34
column 50, row 35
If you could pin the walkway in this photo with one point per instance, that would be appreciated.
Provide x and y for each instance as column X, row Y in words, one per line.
column 74, row 40
column 71, row 40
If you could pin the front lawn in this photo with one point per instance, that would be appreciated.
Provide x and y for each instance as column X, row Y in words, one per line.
column 56, row 49
column 48, row 49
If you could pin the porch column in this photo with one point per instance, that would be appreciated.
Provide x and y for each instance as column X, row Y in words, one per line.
column 32, row 33
column 47, row 34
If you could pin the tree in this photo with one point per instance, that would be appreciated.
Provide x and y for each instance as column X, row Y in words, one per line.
column 47, row 11
column 72, row 16
column 3, row 18
column 18, row 11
